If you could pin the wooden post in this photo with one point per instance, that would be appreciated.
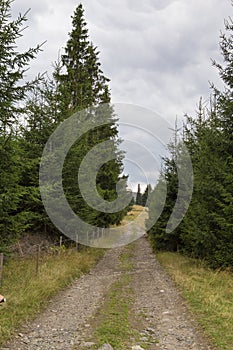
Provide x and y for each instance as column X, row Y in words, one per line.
column 38, row 259
column 20, row 249
column 97, row 236
column 60, row 241
column 1, row 268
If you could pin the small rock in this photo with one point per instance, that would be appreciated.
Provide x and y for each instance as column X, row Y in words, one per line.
column 137, row 347
column 167, row 313
column 162, row 291
column 106, row 347
column 179, row 338
column 151, row 330
column 144, row 339
column 88, row 344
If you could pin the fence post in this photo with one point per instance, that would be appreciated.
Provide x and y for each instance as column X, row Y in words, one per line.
column 60, row 243
column 1, row 268
column 37, row 259
column 20, row 249
column 76, row 240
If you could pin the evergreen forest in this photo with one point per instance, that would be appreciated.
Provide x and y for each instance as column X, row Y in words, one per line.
column 30, row 111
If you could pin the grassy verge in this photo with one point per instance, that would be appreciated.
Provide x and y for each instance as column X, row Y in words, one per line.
column 209, row 293
column 27, row 294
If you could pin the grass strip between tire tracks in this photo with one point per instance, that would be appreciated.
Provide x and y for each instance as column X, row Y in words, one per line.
column 111, row 323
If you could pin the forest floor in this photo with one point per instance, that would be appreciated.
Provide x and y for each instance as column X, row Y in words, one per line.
column 127, row 300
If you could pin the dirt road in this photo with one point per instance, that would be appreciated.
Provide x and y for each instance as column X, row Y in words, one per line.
column 158, row 311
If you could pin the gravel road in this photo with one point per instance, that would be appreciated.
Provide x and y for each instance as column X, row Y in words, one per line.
column 159, row 312
column 165, row 315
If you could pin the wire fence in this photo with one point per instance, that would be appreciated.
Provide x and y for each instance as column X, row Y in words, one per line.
column 35, row 250
column 47, row 248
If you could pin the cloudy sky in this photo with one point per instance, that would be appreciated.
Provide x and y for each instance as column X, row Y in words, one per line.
column 157, row 53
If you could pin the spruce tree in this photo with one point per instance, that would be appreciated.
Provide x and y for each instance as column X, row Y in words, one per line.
column 202, row 140
column 168, row 179
column 13, row 91
column 82, row 84
column 207, row 230
column 41, row 120
column 139, row 196
column 146, row 194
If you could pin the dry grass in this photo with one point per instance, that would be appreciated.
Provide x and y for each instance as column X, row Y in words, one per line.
column 137, row 217
column 27, row 294
column 209, row 293
column 133, row 214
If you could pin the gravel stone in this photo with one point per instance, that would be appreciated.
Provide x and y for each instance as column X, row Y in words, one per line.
column 106, row 347
column 166, row 317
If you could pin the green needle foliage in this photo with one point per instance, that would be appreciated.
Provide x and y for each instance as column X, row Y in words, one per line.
column 31, row 111
column 206, row 232
column 13, row 91
column 81, row 84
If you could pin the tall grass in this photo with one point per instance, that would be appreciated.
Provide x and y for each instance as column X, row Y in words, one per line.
column 28, row 293
column 209, row 293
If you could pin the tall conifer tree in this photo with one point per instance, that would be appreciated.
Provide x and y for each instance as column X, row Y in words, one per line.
column 13, row 90
column 82, row 84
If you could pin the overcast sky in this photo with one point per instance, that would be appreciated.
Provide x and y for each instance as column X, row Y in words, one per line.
column 157, row 53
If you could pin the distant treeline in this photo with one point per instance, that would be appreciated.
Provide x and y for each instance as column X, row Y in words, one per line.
column 141, row 198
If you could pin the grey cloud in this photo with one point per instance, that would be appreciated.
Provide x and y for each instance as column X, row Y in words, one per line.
column 21, row 6
column 157, row 53
column 149, row 5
